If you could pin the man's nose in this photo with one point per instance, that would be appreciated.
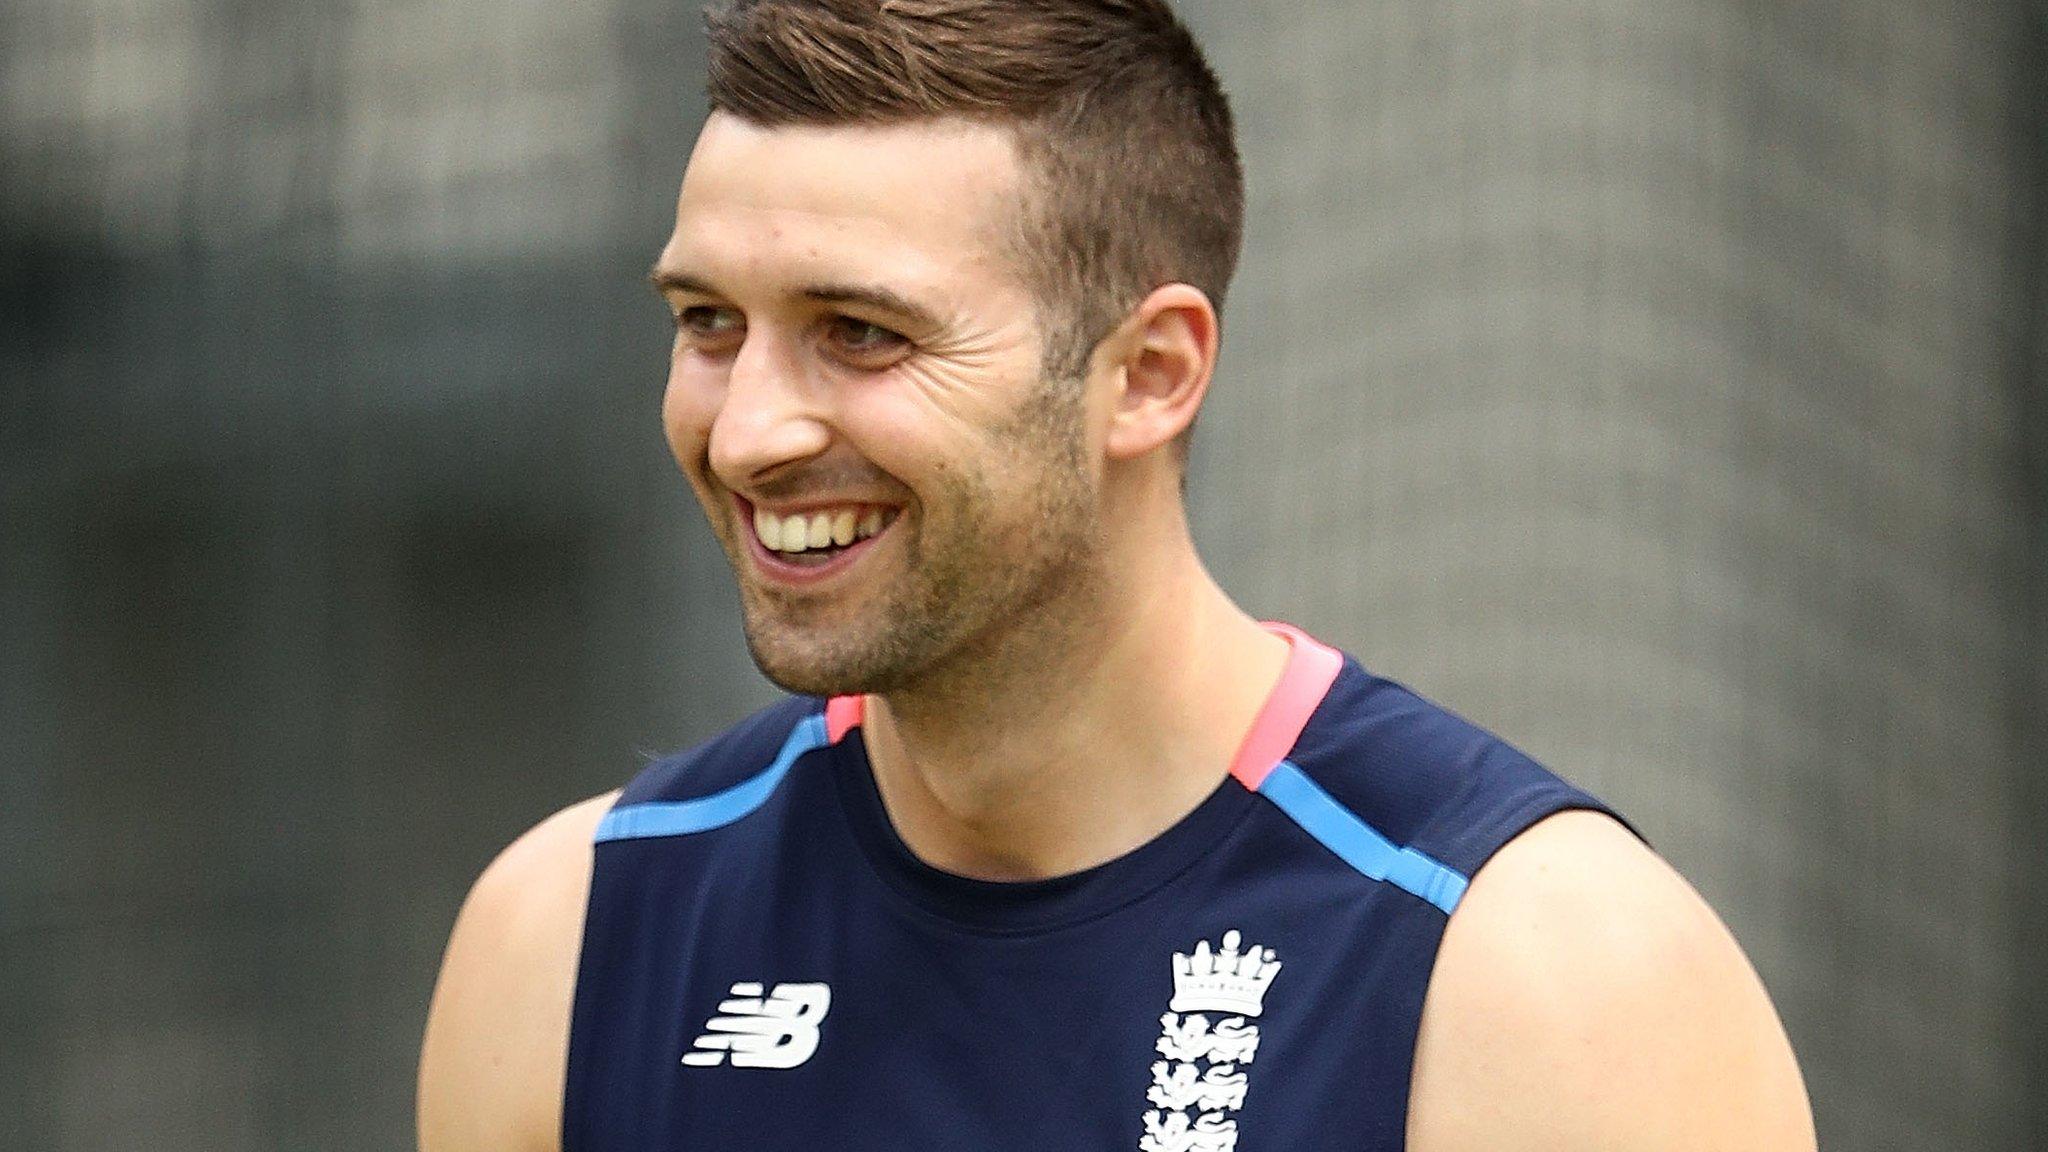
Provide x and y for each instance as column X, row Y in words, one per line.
column 772, row 414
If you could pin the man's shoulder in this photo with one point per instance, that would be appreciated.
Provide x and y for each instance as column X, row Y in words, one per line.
column 731, row 757
column 542, row 872
column 1585, row 996
column 496, row 1044
column 1373, row 727
column 496, row 1048
column 1425, row 777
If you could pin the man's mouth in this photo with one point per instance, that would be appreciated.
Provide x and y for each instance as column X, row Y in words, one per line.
column 814, row 536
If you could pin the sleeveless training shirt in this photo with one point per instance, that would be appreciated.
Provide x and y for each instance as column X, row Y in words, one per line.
column 766, row 966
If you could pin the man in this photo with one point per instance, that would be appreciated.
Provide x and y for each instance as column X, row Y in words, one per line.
column 1053, row 847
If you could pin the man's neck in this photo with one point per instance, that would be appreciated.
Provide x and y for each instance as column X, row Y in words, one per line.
column 1070, row 756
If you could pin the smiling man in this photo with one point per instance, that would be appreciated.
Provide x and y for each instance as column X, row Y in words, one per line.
column 1050, row 846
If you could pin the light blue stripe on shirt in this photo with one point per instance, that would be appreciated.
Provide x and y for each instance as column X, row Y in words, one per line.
column 681, row 817
column 1357, row 843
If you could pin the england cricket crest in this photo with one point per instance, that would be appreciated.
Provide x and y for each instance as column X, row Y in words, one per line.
column 1208, row 1041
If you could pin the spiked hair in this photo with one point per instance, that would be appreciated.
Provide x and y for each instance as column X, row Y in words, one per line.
column 1122, row 131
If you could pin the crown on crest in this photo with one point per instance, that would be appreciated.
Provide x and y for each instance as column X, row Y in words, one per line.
column 1230, row 980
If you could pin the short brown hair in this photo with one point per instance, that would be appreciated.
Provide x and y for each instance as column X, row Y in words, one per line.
column 1123, row 132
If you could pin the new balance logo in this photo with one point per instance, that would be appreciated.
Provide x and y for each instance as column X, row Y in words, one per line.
column 780, row 1031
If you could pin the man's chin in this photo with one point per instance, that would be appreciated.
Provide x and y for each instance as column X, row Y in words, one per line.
column 810, row 664
column 806, row 681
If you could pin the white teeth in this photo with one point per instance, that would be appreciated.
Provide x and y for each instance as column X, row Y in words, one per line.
column 803, row 533
column 794, row 536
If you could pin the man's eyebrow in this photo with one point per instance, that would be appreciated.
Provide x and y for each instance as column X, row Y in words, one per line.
column 872, row 295
column 670, row 280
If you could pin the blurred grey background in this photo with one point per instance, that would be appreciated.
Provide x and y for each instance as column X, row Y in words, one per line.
column 1661, row 384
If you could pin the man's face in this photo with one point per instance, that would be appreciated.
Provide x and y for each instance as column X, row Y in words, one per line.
column 855, row 395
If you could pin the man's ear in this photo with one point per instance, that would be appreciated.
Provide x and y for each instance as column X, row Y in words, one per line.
column 1166, row 349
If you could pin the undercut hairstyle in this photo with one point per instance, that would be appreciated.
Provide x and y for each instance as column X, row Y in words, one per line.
column 1124, row 137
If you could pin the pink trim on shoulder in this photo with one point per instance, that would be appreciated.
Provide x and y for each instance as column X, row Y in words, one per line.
column 1312, row 666
column 842, row 715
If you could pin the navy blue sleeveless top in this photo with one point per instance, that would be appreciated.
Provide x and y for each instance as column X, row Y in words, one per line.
column 767, row 967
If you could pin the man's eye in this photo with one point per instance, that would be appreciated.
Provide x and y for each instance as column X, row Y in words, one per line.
column 861, row 338
column 706, row 322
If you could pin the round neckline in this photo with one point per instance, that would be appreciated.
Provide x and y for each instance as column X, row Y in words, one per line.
column 1003, row 907
column 1015, row 907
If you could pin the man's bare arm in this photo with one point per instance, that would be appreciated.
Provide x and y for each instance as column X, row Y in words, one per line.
column 497, row 1039
column 1586, row 997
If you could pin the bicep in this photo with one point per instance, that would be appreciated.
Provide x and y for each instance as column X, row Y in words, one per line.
column 496, row 1043
column 1585, row 996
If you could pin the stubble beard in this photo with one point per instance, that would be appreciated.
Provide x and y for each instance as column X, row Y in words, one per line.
column 981, row 597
